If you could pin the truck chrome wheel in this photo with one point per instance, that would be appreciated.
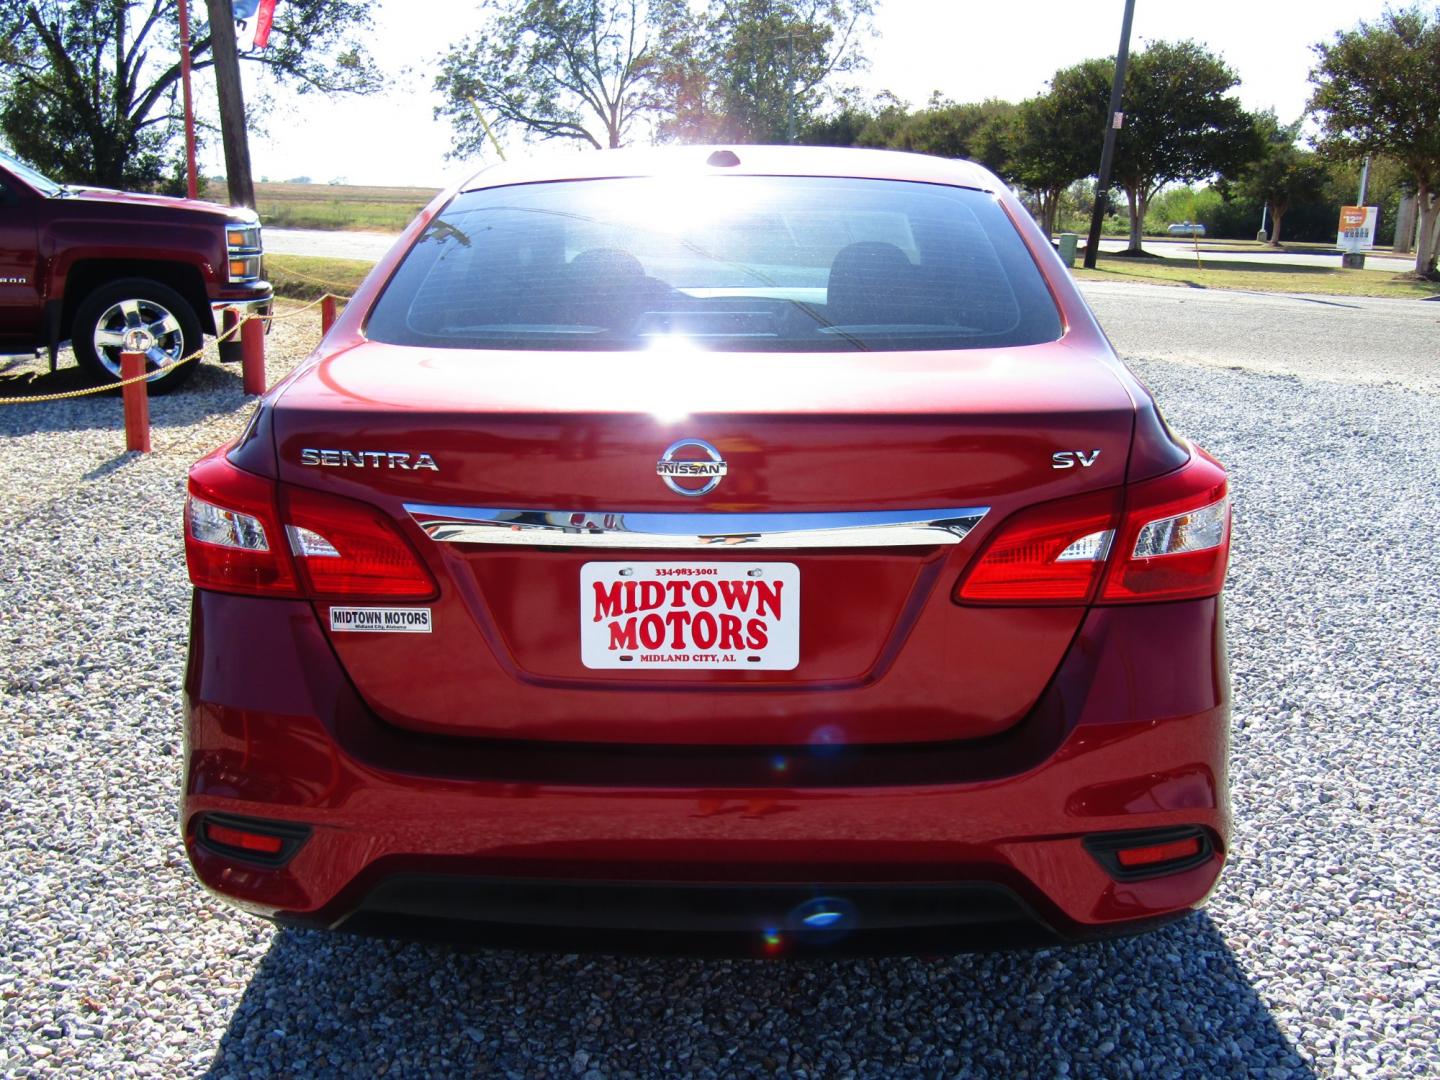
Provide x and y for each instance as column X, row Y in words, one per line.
column 141, row 314
column 166, row 340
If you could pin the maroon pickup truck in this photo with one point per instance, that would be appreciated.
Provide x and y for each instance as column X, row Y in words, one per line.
column 86, row 266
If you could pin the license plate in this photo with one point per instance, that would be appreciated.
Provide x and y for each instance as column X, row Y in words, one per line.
column 686, row 615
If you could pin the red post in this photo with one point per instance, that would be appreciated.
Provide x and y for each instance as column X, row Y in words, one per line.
column 190, row 179
column 136, row 398
column 327, row 313
column 252, row 360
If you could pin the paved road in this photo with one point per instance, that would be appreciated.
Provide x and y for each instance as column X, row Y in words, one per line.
column 1182, row 251
column 372, row 245
column 328, row 244
column 1337, row 338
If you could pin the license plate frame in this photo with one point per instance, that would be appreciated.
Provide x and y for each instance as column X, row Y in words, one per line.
column 621, row 614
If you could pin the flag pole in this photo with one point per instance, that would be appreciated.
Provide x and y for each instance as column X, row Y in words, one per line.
column 191, row 182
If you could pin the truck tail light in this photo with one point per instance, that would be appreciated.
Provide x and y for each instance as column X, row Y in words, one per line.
column 245, row 534
column 1171, row 542
column 1174, row 543
column 1053, row 553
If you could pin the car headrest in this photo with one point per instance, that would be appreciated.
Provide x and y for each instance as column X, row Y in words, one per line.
column 607, row 263
column 870, row 282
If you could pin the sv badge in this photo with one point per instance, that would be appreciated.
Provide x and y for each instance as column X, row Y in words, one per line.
column 1068, row 459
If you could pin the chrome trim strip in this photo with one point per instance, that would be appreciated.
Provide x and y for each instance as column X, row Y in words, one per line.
column 588, row 529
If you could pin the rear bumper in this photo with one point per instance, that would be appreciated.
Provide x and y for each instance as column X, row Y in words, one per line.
column 707, row 920
column 953, row 846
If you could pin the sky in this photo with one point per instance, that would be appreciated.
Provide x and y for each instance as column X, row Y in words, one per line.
column 966, row 50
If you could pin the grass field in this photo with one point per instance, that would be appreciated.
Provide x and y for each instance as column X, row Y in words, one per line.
column 305, row 277
column 1213, row 244
column 340, row 206
column 1216, row 273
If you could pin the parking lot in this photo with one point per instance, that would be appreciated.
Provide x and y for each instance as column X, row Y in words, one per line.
column 1319, row 954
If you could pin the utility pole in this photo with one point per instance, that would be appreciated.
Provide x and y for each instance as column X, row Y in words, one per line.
column 191, row 182
column 1113, row 120
column 232, row 103
column 790, row 86
column 790, row 119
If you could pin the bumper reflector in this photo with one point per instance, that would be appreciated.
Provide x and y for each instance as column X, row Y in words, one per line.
column 1147, row 853
column 1159, row 853
column 269, row 843
column 238, row 838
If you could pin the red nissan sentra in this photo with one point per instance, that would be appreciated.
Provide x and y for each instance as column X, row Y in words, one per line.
column 755, row 550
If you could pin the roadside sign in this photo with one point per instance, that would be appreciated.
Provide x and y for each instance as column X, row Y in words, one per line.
column 1358, row 225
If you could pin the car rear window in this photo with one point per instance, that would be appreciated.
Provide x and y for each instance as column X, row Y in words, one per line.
column 737, row 262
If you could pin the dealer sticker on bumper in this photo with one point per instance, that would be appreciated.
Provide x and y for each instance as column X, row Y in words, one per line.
column 388, row 620
column 658, row 616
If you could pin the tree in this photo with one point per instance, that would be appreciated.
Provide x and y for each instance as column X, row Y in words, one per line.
column 1052, row 137
column 1283, row 174
column 89, row 86
column 888, row 117
column 845, row 126
column 1180, row 124
column 1377, row 91
column 976, row 131
column 758, row 70
column 554, row 69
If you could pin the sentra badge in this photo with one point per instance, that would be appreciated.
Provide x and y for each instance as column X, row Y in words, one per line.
column 368, row 459
column 708, row 472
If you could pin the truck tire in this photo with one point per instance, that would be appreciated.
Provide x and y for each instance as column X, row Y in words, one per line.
column 105, row 315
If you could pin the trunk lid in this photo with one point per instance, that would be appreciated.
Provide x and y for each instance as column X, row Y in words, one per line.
column 572, row 441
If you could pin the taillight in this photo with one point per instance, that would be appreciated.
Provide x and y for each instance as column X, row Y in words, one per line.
column 238, row 540
column 346, row 548
column 233, row 539
column 1174, row 543
column 1171, row 542
column 1053, row 553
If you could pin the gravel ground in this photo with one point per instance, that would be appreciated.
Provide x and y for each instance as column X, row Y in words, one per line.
column 1319, row 954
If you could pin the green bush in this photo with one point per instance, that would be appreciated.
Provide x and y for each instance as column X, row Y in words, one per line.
column 1182, row 203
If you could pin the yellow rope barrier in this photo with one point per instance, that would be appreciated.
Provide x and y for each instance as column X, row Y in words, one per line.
column 307, row 277
column 106, row 387
column 306, row 307
column 197, row 354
